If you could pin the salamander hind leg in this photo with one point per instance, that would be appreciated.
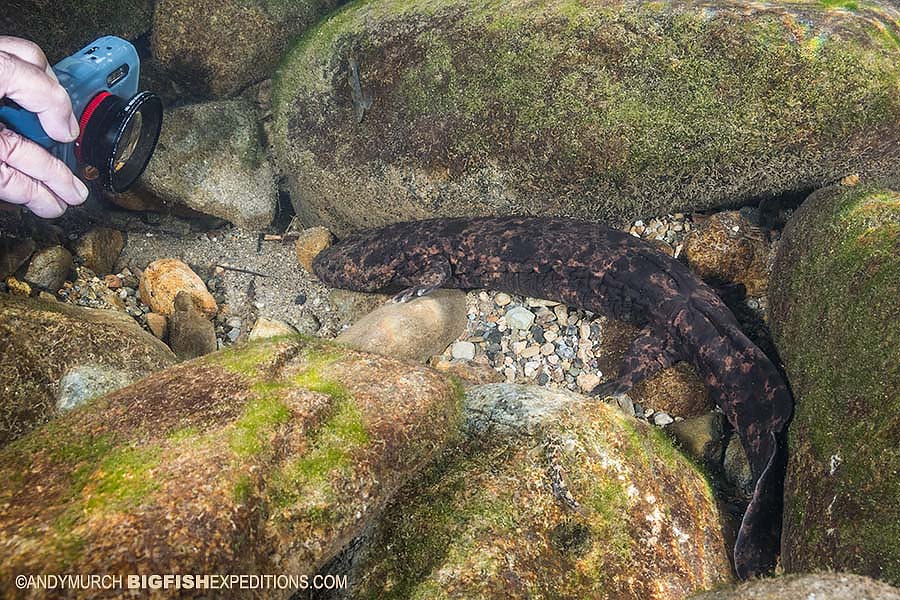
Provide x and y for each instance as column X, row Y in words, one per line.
column 648, row 354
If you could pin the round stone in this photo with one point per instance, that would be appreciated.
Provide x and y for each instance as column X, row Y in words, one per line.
column 519, row 318
column 463, row 350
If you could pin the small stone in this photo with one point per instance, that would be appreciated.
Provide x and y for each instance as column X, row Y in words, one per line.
column 502, row 299
column 662, row 419
column 548, row 349
column 268, row 328
column 587, row 381
column 531, row 351
column 113, row 282
column 18, row 288
column 99, row 249
column 519, row 318
column 463, row 350
column 164, row 279
column 191, row 334
column 49, row 268
column 550, row 335
column 300, row 300
column 157, row 324
column 310, row 243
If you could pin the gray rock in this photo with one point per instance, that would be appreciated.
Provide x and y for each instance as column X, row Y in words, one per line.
column 818, row 586
column 210, row 158
column 49, row 268
column 307, row 324
column 86, row 382
column 463, row 350
column 662, row 419
column 510, row 409
column 191, row 334
column 519, row 317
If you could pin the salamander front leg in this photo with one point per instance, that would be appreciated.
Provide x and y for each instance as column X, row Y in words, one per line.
column 434, row 276
column 647, row 355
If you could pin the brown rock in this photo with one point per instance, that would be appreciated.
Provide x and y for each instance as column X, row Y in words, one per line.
column 43, row 340
column 163, row 279
column 678, row 390
column 99, row 248
column 113, row 282
column 414, row 330
column 726, row 248
column 310, row 243
column 700, row 437
column 265, row 458
column 18, row 288
column 49, row 268
column 13, row 254
column 191, row 334
column 158, row 325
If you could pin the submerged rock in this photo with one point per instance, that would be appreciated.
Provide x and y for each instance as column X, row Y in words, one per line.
column 99, row 249
column 833, row 306
column 819, row 586
column 552, row 495
column 414, row 330
column 49, row 268
column 404, row 109
column 265, row 458
column 211, row 159
column 218, row 47
column 162, row 281
column 40, row 342
column 727, row 249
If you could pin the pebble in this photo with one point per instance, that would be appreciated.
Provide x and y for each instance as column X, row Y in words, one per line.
column 662, row 419
column 587, row 381
column 502, row 299
column 463, row 350
column 519, row 318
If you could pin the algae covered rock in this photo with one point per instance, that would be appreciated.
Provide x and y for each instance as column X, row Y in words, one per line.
column 61, row 27
column 218, row 47
column 211, row 159
column 41, row 343
column 816, row 586
column 553, row 495
column 404, row 109
column 265, row 458
column 834, row 312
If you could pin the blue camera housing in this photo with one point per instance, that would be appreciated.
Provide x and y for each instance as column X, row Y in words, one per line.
column 108, row 64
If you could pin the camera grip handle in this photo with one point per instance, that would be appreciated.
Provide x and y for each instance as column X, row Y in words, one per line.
column 24, row 123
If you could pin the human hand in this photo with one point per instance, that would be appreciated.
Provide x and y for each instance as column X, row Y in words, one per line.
column 29, row 175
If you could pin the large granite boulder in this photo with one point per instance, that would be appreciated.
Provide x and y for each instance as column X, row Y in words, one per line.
column 218, row 47
column 403, row 109
column 551, row 495
column 265, row 458
column 211, row 159
column 834, row 312
column 54, row 356
column 817, row 586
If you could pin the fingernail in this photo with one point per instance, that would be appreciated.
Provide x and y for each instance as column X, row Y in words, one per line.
column 82, row 189
column 74, row 130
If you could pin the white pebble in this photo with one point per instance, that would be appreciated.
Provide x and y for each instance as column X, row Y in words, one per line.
column 463, row 350
column 502, row 299
column 519, row 318
column 662, row 419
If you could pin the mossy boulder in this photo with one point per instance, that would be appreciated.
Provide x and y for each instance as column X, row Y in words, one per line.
column 215, row 48
column 552, row 495
column 265, row 458
column 61, row 27
column 44, row 344
column 402, row 109
column 834, row 313
column 211, row 159
column 815, row 586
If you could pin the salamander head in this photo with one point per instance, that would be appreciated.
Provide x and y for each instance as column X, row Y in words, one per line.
column 365, row 262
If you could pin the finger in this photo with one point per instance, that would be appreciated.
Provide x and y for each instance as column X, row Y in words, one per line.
column 18, row 188
column 30, row 159
column 34, row 90
column 27, row 51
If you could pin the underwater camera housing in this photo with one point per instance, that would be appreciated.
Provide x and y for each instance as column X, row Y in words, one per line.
column 119, row 126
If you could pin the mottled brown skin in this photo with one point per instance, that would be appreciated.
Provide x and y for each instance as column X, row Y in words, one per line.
column 610, row 272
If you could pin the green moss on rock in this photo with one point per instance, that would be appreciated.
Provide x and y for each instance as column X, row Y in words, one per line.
column 562, row 505
column 596, row 109
column 834, row 307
